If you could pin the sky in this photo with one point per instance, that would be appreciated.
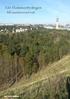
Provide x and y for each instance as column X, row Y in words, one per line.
column 48, row 11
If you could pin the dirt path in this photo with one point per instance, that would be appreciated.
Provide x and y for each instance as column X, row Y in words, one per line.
column 34, row 82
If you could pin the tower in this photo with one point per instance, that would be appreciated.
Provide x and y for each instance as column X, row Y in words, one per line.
column 57, row 23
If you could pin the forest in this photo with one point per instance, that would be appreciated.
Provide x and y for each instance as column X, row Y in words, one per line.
column 23, row 54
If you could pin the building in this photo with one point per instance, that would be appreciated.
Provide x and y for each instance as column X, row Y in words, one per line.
column 21, row 30
column 57, row 23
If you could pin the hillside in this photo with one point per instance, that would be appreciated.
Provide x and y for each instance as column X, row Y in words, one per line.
column 36, row 61
column 38, row 84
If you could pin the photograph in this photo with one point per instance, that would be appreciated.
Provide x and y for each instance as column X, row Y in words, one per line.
column 35, row 49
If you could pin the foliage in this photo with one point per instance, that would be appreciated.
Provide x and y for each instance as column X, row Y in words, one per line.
column 38, row 48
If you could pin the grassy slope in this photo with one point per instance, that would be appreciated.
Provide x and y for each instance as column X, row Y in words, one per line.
column 57, row 68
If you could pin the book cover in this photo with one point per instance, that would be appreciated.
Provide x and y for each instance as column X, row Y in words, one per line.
column 34, row 49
